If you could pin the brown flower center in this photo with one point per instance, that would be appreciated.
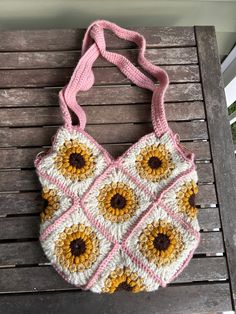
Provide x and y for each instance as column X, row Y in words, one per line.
column 118, row 201
column 76, row 160
column 192, row 200
column 154, row 162
column 45, row 203
column 161, row 241
column 77, row 247
column 124, row 286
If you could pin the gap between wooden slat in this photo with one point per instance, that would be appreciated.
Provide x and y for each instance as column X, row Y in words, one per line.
column 208, row 269
column 21, row 202
column 41, row 136
column 205, row 297
column 24, row 157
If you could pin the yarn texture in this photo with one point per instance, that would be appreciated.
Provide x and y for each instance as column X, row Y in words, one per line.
column 117, row 224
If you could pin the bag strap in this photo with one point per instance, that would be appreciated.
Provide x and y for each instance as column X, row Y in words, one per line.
column 82, row 78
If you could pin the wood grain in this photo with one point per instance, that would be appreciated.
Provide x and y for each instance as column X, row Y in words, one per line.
column 31, row 202
column 221, row 141
column 103, row 76
column 98, row 95
column 101, row 114
column 25, row 180
column 46, row 278
column 61, row 59
column 30, row 252
column 203, row 297
column 71, row 39
column 24, row 157
column 41, row 136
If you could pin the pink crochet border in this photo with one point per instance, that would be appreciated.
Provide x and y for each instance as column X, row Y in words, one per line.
column 102, row 266
column 144, row 267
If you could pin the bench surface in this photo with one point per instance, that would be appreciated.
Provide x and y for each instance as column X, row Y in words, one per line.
column 34, row 65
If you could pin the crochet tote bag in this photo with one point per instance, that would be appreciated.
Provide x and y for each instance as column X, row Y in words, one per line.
column 127, row 223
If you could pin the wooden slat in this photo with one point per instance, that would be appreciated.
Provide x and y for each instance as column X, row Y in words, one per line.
column 28, row 227
column 27, row 253
column 27, row 204
column 31, row 202
column 206, row 195
column 20, row 203
column 209, row 218
column 211, row 243
column 204, row 269
column 98, row 95
column 103, row 76
column 200, row 149
column 221, row 141
column 39, row 136
column 71, row 39
column 61, row 59
column 46, row 278
column 25, row 180
column 22, row 253
column 205, row 172
column 24, row 157
column 19, row 227
column 101, row 114
column 203, row 297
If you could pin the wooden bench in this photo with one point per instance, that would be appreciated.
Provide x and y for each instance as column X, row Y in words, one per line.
column 33, row 67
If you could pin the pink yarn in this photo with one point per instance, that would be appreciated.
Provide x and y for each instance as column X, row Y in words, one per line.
column 83, row 77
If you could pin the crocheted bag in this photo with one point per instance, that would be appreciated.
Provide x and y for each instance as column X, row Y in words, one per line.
column 126, row 223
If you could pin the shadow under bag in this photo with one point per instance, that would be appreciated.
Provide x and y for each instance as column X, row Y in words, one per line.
column 127, row 223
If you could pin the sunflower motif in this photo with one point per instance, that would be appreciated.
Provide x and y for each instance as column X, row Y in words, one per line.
column 123, row 279
column 154, row 163
column 186, row 199
column 161, row 243
column 75, row 160
column 117, row 202
column 52, row 203
column 77, row 248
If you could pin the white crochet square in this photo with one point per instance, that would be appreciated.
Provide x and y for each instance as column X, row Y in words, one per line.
column 170, row 199
column 64, row 203
column 47, row 162
column 122, row 261
column 79, row 277
column 128, row 160
column 165, row 272
column 116, row 229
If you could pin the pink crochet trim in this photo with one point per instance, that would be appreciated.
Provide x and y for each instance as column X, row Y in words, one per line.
column 102, row 266
column 144, row 267
column 83, row 77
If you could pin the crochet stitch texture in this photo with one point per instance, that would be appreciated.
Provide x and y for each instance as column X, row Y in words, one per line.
column 127, row 223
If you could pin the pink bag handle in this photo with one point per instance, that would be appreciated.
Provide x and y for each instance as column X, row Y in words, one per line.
column 82, row 78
